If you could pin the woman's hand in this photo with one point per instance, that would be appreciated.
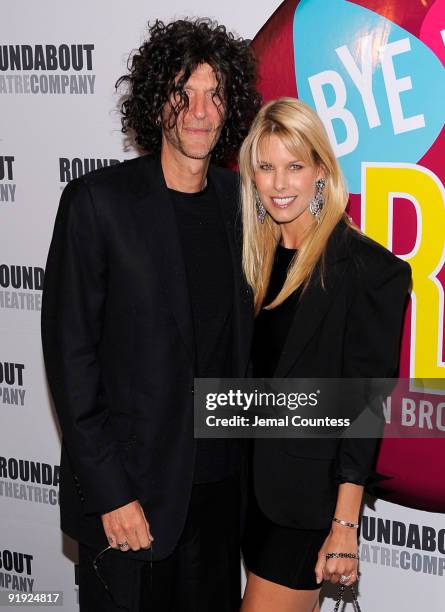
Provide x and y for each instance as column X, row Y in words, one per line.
column 342, row 540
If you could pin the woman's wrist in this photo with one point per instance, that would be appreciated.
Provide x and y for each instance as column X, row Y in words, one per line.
column 346, row 532
column 349, row 524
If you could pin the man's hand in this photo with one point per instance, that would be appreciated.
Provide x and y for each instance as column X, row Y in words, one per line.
column 128, row 527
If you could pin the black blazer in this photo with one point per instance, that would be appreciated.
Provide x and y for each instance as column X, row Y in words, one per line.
column 351, row 329
column 119, row 350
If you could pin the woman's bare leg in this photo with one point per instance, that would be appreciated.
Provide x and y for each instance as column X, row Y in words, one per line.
column 263, row 596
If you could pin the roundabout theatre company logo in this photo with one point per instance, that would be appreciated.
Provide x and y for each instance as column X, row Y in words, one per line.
column 7, row 184
column 21, row 287
column 47, row 69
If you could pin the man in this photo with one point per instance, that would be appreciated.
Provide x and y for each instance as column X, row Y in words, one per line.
column 143, row 292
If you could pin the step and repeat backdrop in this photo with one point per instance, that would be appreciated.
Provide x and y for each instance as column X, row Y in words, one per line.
column 373, row 70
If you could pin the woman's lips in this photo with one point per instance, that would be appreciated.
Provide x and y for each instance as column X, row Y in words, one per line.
column 283, row 202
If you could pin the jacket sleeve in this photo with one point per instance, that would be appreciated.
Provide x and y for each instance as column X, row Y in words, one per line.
column 74, row 296
column 371, row 350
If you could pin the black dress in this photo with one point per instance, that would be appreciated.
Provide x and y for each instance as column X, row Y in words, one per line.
column 279, row 554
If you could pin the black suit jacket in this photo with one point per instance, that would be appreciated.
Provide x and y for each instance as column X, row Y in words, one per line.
column 349, row 329
column 119, row 349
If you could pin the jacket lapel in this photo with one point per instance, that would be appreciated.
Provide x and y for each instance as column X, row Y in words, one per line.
column 228, row 200
column 156, row 219
column 316, row 300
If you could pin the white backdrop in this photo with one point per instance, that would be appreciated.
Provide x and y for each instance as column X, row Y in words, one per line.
column 37, row 131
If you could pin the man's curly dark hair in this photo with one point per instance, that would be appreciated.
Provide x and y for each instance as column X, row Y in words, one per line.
column 180, row 47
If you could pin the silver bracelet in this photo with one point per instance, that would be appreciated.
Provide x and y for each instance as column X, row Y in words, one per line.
column 341, row 555
column 345, row 523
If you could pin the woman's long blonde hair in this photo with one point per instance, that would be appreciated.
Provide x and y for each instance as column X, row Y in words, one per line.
column 304, row 135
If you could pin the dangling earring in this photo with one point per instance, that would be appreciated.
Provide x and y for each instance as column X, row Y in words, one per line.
column 260, row 210
column 317, row 202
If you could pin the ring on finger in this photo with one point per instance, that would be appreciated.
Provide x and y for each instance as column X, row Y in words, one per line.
column 344, row 578
column 123, row 544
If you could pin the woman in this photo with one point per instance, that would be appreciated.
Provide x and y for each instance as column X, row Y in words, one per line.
column 329, row 303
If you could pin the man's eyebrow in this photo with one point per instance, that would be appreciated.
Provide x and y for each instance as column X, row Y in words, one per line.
column 207, row 90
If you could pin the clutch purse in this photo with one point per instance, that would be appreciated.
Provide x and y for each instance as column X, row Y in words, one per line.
column 340, row 598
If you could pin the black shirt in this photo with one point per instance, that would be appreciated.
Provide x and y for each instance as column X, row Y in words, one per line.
column 210, row 281
column 272, row 326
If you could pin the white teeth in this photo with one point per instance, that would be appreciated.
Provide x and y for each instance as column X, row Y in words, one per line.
column 283, row 201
